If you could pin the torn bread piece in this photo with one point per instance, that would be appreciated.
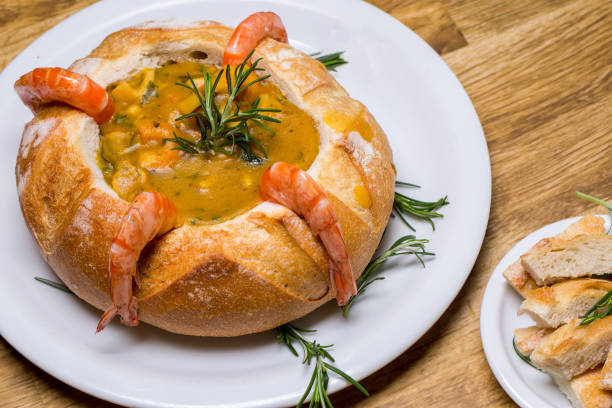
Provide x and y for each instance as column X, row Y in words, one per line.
column 519, row 279
column 552, row 306
column 606, row 373
column 588, row 225
column 517, row 276
column 583, row 390
column 579, row 257
column 572, row 349
column 528, row 338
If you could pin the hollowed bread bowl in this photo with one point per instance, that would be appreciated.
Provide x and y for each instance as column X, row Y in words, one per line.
column 254, row 272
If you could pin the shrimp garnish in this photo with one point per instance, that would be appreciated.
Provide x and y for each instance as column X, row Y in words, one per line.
column 250, row 32
column 44, row 85
column 295, row 189
column 150, row 215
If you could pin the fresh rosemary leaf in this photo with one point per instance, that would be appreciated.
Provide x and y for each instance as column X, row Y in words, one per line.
column 331, row 61
column 225, row 130
column 602, row 308
column 425, row 210
column 288, row 334
column 182, row 144
column 150, row 93
column 603, row 203
column 521, row 355
column 54, row 284
column 406, row 245
column 404, row 184
column 347, row 378
column 595, row 200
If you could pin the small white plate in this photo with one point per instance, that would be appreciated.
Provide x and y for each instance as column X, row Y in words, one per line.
column 437, row 142
column 527, row 386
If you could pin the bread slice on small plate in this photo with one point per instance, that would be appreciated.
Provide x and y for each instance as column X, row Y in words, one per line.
column 579, row 257
column 528, row 338
column 519, row 279
column 572, row 349
column 606, row 373
column 588, row 225
column 552, row 306
column 517, row 276
column 583, row 391
column 528, row 387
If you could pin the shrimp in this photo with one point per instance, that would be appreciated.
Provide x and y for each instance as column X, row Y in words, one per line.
column 295, row 189
column 44, row 85
column 150, row 215
column 250, row 32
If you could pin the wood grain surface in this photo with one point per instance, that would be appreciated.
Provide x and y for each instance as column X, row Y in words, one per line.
column 539, row 75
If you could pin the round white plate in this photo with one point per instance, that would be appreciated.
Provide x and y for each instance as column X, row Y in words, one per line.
column 527, row 386
column 437, row 142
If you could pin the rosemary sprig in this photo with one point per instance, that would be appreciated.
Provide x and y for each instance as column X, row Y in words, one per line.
column 288, row 334
column 425, row 210
column 406, row 245
column 592, row 199
column 183, row 144
column 54, row 284
column 404, row 184
column 523, row 357
column 223, row 130
column 331, row 61
column 594, row 313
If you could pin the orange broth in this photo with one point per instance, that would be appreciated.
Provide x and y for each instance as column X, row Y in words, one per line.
column 206, row 187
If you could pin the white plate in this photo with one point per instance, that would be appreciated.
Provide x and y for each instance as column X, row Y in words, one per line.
column 437, row 141
column 527, row 386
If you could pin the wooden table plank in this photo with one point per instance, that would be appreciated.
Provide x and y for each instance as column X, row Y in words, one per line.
column 544, row 102
column 538, row 73
column 431, row 22
column 481, row 20
column 21, row 22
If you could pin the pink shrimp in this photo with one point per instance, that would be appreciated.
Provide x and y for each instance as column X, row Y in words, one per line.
column 44, row 85
column 151, row 214
column 295, row 189
column 250, row 32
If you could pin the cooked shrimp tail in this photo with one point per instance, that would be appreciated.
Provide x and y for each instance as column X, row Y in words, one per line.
column 112, row 311
column 250, row 32
column 341, row 273
column 295, row 189
column 45, row 85
column 150, row 215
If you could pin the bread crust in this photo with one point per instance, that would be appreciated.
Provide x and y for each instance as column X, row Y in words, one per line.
column 520, row 279
column 552, row 306
column 572, row 349
column 576, row 258
column 583, row 390
column 528, row 338
column 249, row 274
column 606, row 373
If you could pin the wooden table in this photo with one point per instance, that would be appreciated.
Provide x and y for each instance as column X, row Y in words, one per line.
column 539, row 75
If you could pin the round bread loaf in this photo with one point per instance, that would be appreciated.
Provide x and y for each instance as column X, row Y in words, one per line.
column 254, row 272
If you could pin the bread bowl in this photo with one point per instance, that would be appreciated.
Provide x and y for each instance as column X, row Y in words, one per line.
column 249, row 272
